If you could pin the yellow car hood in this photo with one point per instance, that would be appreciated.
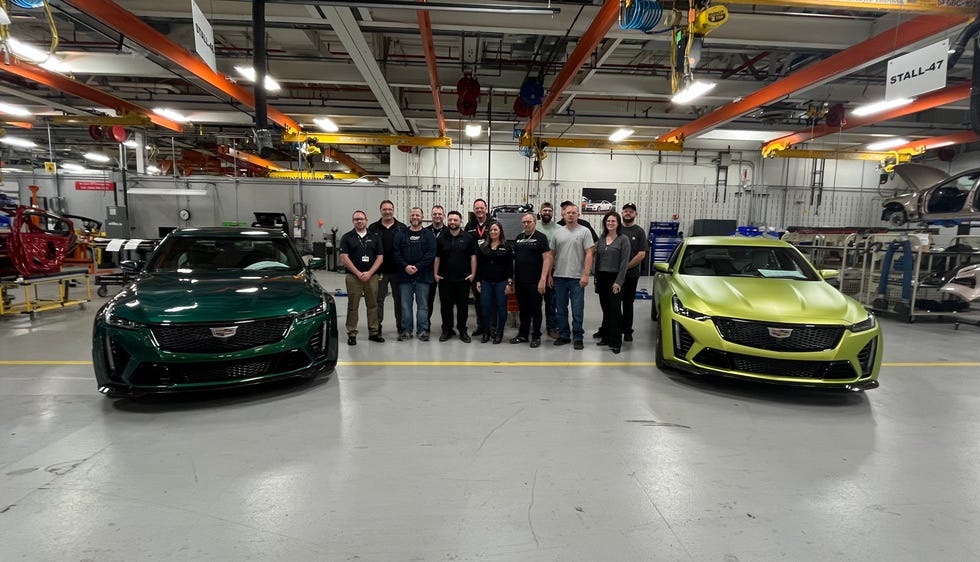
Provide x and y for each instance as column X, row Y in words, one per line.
column 775, row 300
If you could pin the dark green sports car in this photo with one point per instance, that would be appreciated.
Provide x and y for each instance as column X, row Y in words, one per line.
column 215, row 307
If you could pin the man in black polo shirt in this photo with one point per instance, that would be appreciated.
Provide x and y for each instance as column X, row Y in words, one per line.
column 386, row 228
column 532, row 263
column 479, row 228
column 361, row 254
column 438, row 228
column 455, row 270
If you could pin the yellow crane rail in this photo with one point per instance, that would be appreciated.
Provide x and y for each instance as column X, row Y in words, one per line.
column 601, row 143
column 375, row 140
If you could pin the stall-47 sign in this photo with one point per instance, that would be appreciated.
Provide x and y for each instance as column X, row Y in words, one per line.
column 917, row 72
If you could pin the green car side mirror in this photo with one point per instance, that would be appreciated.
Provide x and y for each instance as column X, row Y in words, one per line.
column 661, row 267
column 829, row 273
column 317, row 263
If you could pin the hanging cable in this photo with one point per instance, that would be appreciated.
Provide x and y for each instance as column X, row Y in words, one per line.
column 643, row 15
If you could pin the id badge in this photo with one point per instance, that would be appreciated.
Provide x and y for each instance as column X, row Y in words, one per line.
column 365, row 259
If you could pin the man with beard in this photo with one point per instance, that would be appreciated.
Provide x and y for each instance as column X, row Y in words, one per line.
column 455, row 270
column 574, row 252
column 548, row 227
column 438, row 227
column 361, row 254
column 415, row 252
column 532, row 264
column 640, row 245
column 386, row 228
column 479, row 228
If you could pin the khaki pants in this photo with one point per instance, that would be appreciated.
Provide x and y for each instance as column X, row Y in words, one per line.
column 369, row 290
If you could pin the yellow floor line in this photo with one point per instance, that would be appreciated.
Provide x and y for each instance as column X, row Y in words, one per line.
column 502, row 363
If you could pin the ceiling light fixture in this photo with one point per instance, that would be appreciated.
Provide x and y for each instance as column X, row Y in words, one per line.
column 97, row 157
column 886, row 144
column 621, row 134
column 4, row 17
column 131, row 143
column 73, row 167
column 249, row 73
column 18, row 142
column 326, row 124
column 441, row 6
column 27, row 51
column 56, row 65
column 152, row 170
column 878, row 107
column 11, row 109
column 692, row 91
column 170, row 114
column 473, row 129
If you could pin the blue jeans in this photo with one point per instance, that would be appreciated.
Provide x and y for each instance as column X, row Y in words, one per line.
column 568, row 289
column 493, row 296
column 418, row 292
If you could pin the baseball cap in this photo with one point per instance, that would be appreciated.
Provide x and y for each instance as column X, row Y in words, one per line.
column 630, row 206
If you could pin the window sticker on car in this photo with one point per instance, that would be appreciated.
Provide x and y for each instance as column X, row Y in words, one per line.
column 785, row 274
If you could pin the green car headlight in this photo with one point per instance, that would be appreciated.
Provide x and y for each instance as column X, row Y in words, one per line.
column 687, row 312
column 119, row 322
column 315, row 311
column 864, row 325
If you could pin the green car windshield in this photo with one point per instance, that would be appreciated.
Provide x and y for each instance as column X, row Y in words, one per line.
column 222, row 253
column 746, row 261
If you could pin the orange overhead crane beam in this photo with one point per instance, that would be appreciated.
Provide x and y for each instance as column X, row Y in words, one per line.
column 139, row 31
column 848, row 60
column 64, row 84
column 922, row 145
column 917, row 6
column 346, row 160
column 607, row 16
column 251, row 159
column 428, row 45
column 938, row 98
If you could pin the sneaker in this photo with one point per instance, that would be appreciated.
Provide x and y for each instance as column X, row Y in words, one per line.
column 485, row 338
column 445, row 336
column 497, row 338
column 553, row 333
column 535, row 343
column 376, row 338
column 518, row 339
column 614, row 349
column 579, row 344
column 627, row 337
column 424, row 336
column 464, row 337
column 403, row 336
column 351, row 340
column 562, row 341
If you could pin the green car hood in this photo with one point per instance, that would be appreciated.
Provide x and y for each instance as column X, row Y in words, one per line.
column 775, row 300
column 207, row 297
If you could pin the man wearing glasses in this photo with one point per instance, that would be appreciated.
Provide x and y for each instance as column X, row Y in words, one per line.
column 362, row 253
column 532, row 263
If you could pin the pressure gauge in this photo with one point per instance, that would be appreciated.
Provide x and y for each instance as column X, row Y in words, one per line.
column 184, row 214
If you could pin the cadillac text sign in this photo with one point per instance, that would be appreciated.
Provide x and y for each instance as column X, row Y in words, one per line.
column 917, row 72
column 203, row 37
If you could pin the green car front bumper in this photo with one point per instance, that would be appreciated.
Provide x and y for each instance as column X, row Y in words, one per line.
column 827, row 356
column 174, row 357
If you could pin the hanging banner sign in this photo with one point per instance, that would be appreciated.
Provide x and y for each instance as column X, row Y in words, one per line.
column 917, row 72
column 95, row 185
column 203, row 37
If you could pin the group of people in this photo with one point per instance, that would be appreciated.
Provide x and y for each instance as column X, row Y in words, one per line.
column 547, row 267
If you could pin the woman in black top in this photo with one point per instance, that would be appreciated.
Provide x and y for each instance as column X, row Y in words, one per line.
column 495, row 273
column 611, row 260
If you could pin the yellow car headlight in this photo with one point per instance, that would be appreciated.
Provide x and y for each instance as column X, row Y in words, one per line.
column 864, row 325
column 687, row 312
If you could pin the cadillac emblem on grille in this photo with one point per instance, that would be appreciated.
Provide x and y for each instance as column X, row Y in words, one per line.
column 229, row 331
column 780, row 333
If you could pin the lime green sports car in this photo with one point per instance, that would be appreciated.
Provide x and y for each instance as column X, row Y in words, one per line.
column 212, row 308
column 755, row 308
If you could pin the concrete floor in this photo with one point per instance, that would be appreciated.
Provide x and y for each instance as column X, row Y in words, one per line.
column 469, row 460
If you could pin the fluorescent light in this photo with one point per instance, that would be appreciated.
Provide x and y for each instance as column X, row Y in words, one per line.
column 450, row 7
column 886, row 144
column 878, row 107
column 621, row 134
column 11, row 109
column 165, row 191
column 4, row 17
column 170, row 114
column 97, row 157
column 326, row 124
column 473, row 129
column 249, row 73
column 741, row 135
column 27, row 51
column 11, row 170
column 73, row 167
column 153, row 169
column 18, row 142
column 131, row 143
column 693, row 91
column 54, row 64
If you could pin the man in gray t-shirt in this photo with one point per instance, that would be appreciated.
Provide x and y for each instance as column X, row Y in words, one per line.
column 574, row 250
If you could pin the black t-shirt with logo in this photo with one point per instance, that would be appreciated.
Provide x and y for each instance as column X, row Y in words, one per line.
column 387, row 236
column 529, row 254
column 362, row 250
column 454, row 255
